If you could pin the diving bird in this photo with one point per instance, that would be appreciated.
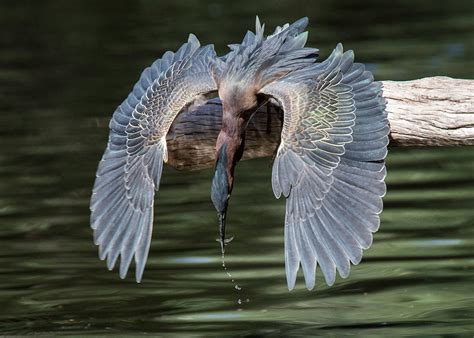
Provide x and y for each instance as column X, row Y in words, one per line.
column 329, row 164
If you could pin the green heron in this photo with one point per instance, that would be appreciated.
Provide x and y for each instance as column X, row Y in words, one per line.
column 329, row 164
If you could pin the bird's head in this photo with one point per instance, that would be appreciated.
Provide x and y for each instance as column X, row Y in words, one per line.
column 229, row 150
column 220, row 190
column 239, row 103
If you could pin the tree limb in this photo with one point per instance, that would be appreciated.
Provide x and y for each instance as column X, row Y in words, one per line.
column 434, row 111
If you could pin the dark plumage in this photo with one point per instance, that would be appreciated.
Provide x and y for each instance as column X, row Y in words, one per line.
column 329, row 165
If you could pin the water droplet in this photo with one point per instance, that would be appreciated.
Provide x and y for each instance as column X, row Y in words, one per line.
column 236, row 286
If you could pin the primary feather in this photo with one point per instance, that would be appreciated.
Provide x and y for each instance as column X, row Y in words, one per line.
column 130, row 169
column 329, row 165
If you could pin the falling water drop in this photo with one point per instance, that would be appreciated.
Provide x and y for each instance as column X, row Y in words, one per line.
column 236, row 286
column 228, row 273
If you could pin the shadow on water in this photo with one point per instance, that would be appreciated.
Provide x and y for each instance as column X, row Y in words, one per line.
column 64, row 67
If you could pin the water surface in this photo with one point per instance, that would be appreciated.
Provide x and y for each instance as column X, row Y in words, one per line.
column 66, row 65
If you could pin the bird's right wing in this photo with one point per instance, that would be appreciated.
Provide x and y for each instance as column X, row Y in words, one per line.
column 329, row 164
column 130, row 169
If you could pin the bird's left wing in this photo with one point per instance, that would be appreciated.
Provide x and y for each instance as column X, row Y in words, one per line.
column 329, row 164
column 130, row 169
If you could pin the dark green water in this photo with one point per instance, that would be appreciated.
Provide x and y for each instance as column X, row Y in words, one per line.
column 66, row 65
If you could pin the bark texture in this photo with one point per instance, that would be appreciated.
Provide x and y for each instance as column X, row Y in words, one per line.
column 434, row 111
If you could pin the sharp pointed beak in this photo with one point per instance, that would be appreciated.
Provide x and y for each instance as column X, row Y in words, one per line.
column 222, row 230
column 222, row 240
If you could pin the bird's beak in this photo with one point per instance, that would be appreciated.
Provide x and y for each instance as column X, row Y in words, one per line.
column 222, row 230
column 222, row 240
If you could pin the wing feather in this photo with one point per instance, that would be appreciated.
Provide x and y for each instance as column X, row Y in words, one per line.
column 329, row 164
column 131, row 167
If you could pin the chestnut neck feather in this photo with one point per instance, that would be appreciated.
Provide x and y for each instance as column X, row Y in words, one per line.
column 233, row 135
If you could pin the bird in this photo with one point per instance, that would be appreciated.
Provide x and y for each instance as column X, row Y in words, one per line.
column 329, row 165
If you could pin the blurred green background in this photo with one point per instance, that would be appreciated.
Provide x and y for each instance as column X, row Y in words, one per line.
column 66, row 65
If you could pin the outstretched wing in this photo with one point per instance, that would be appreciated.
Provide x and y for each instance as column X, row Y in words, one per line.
column 130, row 169
column 329, row 164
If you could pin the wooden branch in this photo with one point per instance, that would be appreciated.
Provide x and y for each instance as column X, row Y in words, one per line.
column 434, row 111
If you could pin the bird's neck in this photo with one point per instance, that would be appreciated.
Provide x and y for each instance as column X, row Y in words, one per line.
column 233, row 135
column 233, row 125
